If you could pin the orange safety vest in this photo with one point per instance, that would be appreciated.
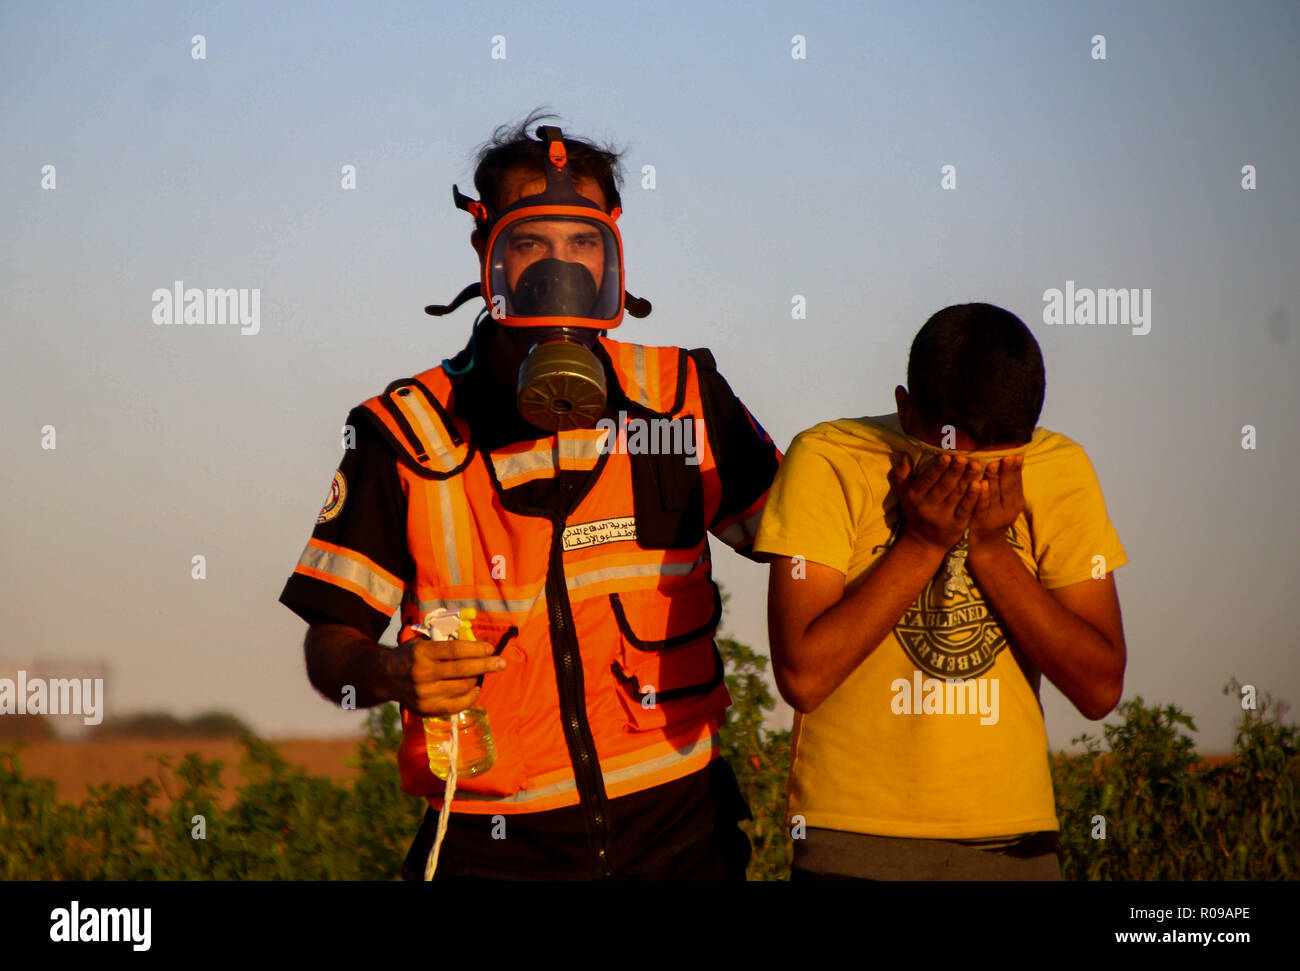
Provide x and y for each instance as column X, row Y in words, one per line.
column 607, row 615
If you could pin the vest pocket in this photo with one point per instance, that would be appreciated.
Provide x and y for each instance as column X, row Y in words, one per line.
column 668, row 500
column 501, row 697
column 672, row 673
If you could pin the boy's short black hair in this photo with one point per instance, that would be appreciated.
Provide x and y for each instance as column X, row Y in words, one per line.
column 516, row 146
column 978, row 368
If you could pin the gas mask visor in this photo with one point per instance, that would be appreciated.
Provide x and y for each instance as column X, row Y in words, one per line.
column 554, row 266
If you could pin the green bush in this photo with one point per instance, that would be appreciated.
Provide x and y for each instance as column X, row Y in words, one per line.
column 1165, row 816
column 760, row 758
column 285, row 825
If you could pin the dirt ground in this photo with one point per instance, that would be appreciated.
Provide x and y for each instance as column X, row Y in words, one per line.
column 74, row 765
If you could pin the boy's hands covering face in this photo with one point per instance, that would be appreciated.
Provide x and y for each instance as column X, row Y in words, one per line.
column 938, row 502
column 1001, row 500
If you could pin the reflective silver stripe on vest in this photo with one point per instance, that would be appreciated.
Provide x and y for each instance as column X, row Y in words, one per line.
column 346, row 568
column 449, row 532
column 488, row 606
column 581, row 448
column 523, row 795
column 638, row 374
column 618, row 775
column 513, row 466
column 431, row 435
column 743, row 532
column 633, row 570
column 662, row 762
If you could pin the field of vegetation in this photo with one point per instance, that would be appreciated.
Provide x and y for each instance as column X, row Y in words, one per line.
column 1167, row 814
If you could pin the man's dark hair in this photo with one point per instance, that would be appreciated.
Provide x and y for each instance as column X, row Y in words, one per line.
column 516, row 146
column 978, row 368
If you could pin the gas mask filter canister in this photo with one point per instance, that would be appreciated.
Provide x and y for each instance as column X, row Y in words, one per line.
column 561, row 382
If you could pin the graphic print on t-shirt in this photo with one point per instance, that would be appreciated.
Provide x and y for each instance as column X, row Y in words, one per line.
column 949, row 631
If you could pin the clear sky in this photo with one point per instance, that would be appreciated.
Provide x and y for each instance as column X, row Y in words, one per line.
column 775, row 176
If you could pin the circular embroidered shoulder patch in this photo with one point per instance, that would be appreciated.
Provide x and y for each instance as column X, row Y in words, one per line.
column 334, row 504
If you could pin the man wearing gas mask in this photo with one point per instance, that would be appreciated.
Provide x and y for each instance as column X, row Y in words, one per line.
column 561, row 485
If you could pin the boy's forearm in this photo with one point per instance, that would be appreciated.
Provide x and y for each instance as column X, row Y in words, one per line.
column 841, row 638
column 1069, row 651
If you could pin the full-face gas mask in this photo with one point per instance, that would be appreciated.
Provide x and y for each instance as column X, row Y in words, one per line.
column 553, row 266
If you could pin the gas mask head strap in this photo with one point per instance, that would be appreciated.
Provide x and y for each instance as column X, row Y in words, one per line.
column 560, row 190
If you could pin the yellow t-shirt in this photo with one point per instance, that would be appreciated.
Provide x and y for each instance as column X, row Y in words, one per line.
column 902, row 747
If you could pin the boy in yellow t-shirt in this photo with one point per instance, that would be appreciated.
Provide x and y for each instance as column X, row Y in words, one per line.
column 927, row 566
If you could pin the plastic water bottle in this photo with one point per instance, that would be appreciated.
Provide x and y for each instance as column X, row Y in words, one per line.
column 476, row 753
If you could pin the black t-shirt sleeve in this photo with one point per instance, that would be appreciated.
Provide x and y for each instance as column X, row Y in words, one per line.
column 355, row 567
column 744, row 453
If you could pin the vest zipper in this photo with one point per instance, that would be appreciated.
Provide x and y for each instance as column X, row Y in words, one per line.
column 573, row 708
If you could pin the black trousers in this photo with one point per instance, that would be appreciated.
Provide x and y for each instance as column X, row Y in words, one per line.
column 685, row 830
